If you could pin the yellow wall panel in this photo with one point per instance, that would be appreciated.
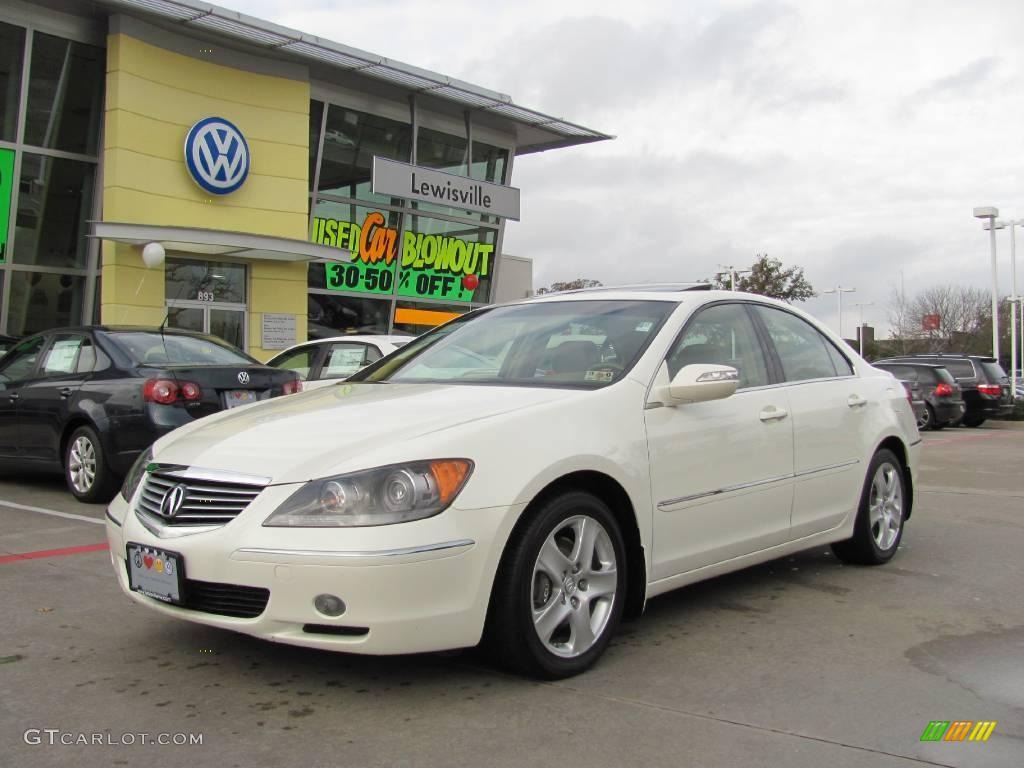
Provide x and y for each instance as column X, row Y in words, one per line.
column 146, row 173
column 142, row 134
column 202, row 75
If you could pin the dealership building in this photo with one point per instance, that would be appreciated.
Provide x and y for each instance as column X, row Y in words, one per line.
column 169, row 159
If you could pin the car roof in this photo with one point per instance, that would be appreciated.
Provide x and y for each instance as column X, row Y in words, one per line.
column 678, row 293
column 377, row 338
column 903, row 361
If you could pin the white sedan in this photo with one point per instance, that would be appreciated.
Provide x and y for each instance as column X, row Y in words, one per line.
column 524, row 475
column 326, row 361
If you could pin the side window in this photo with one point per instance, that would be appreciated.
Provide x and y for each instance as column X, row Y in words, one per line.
column 372, row 354
column 801, row 348
column 925, row 375
column 961, row 369
column 724, row 335
column 904, row 372
column 343, row 360
column 300, row 361
column 86, row 357
column 61, row 358
column 20, row 362
column 842, row 365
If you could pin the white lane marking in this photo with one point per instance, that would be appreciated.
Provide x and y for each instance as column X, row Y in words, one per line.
column 53, row 512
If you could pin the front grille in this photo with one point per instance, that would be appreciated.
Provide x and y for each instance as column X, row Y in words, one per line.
column 206, row 502
column 225, row 599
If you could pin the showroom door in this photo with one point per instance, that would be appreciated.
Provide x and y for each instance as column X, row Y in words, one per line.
column 207, row 297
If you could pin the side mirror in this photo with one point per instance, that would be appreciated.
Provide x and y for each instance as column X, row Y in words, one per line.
column 699, row 383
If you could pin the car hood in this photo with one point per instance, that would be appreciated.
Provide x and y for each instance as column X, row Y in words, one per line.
column 299, row 437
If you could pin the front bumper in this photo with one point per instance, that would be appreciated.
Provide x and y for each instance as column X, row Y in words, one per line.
column 408, row 588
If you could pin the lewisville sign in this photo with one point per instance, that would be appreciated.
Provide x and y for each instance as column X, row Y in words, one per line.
column 429, row 186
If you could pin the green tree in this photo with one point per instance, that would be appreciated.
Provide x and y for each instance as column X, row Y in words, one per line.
column 570, row 285
column 767, row 277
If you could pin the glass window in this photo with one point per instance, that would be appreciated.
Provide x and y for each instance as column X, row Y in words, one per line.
column 344, row 359
column 337, row 315
column 204, row 281
column 722, row 335
column 86, row 357
column 186, row 318
column 20, row 362
column 448, row 261
column 61, row 357
column 442, row 151
column 842, row 365
column 300, row 360
column 12, row 50
column 54, row 203
column 228, row 324
column 802, row 350
column 545, row 344
column 489, row 163
column 371, row 238
column 316, row 116
column 351, row 139
column 65, row 94
column 154, row 348
column 43, row 300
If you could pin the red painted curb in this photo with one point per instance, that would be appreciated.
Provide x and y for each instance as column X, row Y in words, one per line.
column 53, row 553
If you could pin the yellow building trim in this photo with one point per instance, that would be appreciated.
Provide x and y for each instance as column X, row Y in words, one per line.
column 276, row 287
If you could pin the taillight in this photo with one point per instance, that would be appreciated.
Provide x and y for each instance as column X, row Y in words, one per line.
column 166, row 391
column 291, row 387
column 990, row 389
column 163, row 391
column 943, row 390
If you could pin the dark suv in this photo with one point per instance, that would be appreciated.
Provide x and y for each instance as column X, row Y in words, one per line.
column 944, row 403
column 983, row 382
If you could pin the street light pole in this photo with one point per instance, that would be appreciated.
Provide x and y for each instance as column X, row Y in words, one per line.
column 839, row 291
column 992, row 213
column 860, row 330
column 1014, row 298
column 732, row 272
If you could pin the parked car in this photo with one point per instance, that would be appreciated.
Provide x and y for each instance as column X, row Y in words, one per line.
column 943, row 398
column 422, row 506
column 325, row 361
column 916, row 400
column 983, row 383
column 87, row 401
column 6, row 342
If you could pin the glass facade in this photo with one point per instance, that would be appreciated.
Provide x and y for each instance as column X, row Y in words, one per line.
column 51, row 100
column 402, row 265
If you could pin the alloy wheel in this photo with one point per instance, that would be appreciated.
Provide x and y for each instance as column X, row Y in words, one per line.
column 82, row 464
column 885, row 506
column 573, row 586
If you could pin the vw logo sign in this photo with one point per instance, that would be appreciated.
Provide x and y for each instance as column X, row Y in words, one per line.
column 172, row 501
column 217, row 155
column 243, row 378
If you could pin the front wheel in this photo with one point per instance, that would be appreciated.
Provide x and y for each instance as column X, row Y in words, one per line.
column 560, row 588
column 85, row 467
column 880, row 516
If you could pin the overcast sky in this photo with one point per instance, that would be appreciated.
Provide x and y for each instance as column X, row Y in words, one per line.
column 850, row 138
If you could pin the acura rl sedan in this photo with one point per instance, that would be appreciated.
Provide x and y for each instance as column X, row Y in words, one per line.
column 524, row 476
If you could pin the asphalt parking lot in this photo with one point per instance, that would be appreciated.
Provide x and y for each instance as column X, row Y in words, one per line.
column 799, row 662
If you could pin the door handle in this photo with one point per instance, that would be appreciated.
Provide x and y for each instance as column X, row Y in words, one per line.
column 856, row 401
column 13, row 396
column 66, row 392
column 771, row 413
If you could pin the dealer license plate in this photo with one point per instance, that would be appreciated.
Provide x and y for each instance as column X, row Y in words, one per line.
column 236, row 397
column 156, row 573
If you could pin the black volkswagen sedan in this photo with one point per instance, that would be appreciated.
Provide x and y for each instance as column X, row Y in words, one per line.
column 87, row 401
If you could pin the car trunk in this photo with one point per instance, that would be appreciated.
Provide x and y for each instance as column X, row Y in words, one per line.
column 228, row 386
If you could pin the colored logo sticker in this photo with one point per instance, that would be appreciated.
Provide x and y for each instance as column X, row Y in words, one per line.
column 217, row 155
column 958, row 730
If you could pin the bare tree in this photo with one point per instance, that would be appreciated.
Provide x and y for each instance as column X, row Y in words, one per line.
column 964, row 319
column 570, row 285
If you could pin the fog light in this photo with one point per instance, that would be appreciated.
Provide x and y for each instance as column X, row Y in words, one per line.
column 329, row 605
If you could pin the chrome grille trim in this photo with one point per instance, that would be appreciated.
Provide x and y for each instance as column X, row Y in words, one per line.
column 212, row 498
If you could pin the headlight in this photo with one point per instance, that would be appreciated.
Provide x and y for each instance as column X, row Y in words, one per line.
column 136, row 473
column 380, row 496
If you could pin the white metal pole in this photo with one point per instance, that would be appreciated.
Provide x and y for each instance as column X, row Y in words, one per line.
column 1013, row 308
column 995, row 293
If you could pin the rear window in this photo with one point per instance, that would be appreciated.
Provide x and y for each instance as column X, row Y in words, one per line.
column 995, row 372
column 944, row 376
column 961, row 369
column 173, row 349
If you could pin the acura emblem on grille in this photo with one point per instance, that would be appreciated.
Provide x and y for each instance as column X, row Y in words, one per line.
column 173, row 499
column 243, row 377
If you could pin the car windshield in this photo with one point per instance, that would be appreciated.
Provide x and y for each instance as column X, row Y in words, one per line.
column 154, row 348
column 584, row 344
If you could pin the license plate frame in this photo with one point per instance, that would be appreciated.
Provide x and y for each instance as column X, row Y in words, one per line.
column 233, row 398
column 148, row 578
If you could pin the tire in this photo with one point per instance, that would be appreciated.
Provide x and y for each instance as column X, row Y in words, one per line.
column 547, row 619
column 973, row 420
column 878, row 530
column 926, row 420
column 85, row 467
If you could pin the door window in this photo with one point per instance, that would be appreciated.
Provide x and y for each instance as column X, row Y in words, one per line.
column 802, row 350
column 300, row 361
column 724, row 335
column 61, row 358
column 20, row 363
column 345, row 359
